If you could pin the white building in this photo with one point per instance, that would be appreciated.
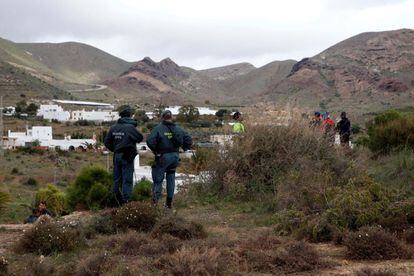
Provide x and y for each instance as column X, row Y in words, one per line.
column 175, row 110
column 44, row 135
column 56, row 112
column 101, row 116
column 53, row 112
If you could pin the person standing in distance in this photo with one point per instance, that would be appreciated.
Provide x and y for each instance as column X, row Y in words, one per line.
column 344, row 129
column 122, row 140
column 238, row 126
column 165, row 141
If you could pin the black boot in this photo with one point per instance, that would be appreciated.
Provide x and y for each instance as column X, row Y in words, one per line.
column 168, row 204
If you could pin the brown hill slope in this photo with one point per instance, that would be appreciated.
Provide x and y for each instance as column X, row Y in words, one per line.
column 228, row 72
column 370, row 71
column 16, row 84
column 245, row 88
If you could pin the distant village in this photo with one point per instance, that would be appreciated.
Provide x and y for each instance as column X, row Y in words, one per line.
column 42, row 136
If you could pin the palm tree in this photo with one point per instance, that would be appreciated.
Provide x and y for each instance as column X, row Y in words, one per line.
column 4, row 199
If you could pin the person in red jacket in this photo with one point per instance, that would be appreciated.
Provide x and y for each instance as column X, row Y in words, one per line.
column 328, row 126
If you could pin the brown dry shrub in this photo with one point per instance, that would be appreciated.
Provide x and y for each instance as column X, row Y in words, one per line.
column 265, row 253
column 409, row 236
column 140, row 216
column 179, row 227
column 139, row 244
column 4, row 266
column 194, row 261
column 94, row 265
column 298, row 257
column 374, row 243
column 367, row 271
column 39, row 267
column 47, row 236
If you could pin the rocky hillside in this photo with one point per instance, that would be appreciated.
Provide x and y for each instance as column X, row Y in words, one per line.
column 165, row 82
column 369, row 71
column 229, row 71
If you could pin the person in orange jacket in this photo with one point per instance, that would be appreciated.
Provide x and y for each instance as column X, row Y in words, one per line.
column 328, row 126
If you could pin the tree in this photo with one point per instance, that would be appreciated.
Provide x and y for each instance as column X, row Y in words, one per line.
column 221, row 113
column 188, row 113
column 141, row 117
column 31, row 109
column 21, row 106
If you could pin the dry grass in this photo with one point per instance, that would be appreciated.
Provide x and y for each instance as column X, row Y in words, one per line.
column 367, row 271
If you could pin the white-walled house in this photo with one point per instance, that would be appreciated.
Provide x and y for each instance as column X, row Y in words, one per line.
column 53, row 112
column 56, row 112
column 44, row 135
column 102, row 116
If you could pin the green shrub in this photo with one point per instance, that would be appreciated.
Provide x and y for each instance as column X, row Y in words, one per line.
column 142, row 190
column 55, row 199
column 391, row 130
column 91, row 189
column 140, row 216
column 374, row 243
column 30, row 182
column 47, row 237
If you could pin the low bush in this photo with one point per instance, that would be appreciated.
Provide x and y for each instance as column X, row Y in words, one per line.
column 100, row 224
column 47, row 236
column 374, row 243
column 179, row 227
column 139, row 244
column 299, row 257
column 4, row 200
column 409, row 236
column 193, row 261
column 391, row 130
column 94, row 264
column 54, row 198
column 367, row 271
column 142, row 190
column 91, row 189
column 39, row 267
column 4, row 266
column 30, row 182
column 140, row 216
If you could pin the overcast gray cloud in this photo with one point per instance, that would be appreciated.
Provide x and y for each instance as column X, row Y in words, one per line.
column 202, row 34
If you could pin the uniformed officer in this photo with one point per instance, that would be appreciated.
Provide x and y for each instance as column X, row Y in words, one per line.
column 122, row 139
column 165, row 141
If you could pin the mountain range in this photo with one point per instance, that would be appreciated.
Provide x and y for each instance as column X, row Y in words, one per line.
column 367, row 72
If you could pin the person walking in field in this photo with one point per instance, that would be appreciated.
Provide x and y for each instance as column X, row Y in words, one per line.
column 165, row 141
column 328, row 126
column 344, row 129
column 122, row 139
column 238, row 126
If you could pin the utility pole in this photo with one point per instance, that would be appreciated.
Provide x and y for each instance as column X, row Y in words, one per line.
column 1, row 127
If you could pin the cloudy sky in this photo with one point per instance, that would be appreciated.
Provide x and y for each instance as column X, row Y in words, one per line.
column 202, row 34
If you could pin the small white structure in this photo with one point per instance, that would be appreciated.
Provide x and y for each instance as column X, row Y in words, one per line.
column 96, row 104
column 53, row 112
column 44, row 135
